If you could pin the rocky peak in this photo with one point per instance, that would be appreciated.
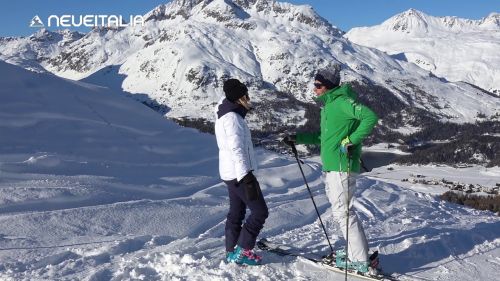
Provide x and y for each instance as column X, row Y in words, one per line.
column 408, row 21
column 491, row 21
column 187, row 4
column 245, row 3
column 414, row 21
column 173, row 9
column 44, row 35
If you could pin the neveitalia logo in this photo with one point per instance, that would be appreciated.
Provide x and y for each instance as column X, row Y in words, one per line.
column 87, row 20
column 36, row 22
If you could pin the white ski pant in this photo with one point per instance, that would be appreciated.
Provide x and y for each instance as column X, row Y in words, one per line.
column 336, row 190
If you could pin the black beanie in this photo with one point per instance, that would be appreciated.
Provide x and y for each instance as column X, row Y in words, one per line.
column 329, row 77
column 234, row 89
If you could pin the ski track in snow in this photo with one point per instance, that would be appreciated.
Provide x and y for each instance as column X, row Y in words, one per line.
column 410, row 229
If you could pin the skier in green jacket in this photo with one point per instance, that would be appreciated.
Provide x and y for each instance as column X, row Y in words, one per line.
column 345, row 123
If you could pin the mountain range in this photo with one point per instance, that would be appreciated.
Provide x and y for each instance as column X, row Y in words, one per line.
column 179, row 59
column 450, row 47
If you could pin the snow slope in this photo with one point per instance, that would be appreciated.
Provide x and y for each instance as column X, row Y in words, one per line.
column 95, row 186
column 450, row 47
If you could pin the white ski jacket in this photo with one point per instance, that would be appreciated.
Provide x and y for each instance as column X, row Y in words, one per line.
column 236, row 155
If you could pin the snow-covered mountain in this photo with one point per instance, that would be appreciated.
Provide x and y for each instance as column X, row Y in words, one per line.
column 187, row 48
column 30, row 51
column 450, row 47
column 95, row 186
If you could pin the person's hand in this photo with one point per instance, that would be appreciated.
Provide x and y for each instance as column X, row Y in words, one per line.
column 346, row 145
column 251, row 186
column 289, row 140
column 248, row 179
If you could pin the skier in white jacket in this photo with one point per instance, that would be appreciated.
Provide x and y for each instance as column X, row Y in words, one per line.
column 236, row 165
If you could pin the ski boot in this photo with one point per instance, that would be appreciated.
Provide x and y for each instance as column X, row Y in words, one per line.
column 244, row 257
column 369, row 267
column 357, row 266
column 228, row 256
column 374, row 269
column 329, row 259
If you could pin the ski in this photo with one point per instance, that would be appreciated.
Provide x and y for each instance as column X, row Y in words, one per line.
column 284, row 250
column 378, row 277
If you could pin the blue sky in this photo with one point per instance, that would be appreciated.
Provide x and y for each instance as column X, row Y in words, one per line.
column 16, row 15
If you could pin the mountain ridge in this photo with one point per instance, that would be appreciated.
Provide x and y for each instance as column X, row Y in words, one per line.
column 450, row 47
column 186, row 49
column 412, row 20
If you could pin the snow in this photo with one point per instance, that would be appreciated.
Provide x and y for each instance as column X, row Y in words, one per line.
column 487, row 177
column 96, row 186
column 386, row 148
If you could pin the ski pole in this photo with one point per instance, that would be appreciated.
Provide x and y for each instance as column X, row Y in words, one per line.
column 347, row 212
column 294, row 150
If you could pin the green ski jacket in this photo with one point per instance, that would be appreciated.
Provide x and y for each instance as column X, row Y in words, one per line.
column 341, row 116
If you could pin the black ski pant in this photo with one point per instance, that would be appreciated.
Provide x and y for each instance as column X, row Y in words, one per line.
column 244, row 235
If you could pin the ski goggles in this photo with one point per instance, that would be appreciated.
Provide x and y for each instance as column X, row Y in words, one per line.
column 318, row 85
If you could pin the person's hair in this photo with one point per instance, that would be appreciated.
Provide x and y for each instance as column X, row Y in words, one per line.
column 244, row 102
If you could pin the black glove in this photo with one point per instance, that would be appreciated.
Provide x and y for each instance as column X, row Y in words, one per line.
column 290, row 140
column 251, row 185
